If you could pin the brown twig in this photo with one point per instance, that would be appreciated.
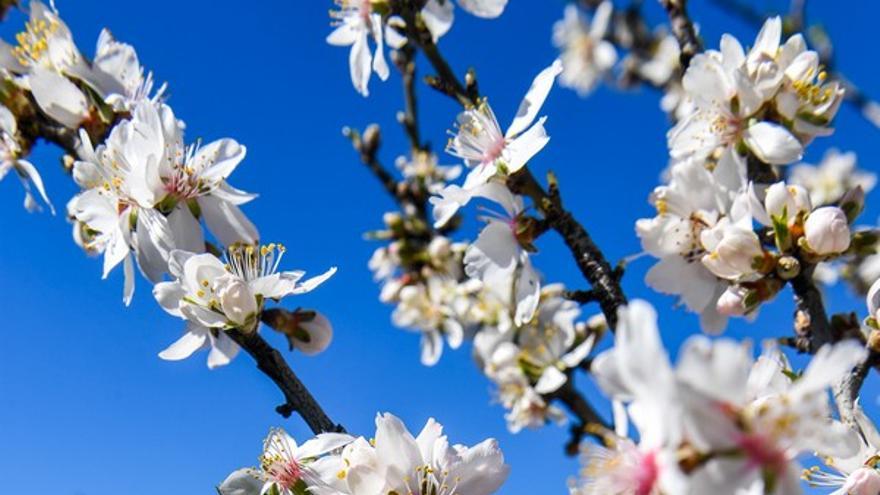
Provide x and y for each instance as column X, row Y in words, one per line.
column 297, row 397
column 683, row 29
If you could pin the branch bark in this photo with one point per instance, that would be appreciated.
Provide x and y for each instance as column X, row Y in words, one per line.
column 683, row 29
column 297, row 397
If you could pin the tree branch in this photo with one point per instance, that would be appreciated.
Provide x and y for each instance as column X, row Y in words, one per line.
column 297, row 397
column 683, row 29
column 810, row 319
column 847, row 391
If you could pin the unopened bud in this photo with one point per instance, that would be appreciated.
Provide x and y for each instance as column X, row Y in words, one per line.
column 732, row 302
column 788, row 267
column 392, row 219
column 371, row 138
column 862, row 481
column 440, row 248
column 827, row 231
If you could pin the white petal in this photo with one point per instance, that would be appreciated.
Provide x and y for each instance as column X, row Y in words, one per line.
column 227, row 222
column 58, row 97
column 223, row 351
column 360, row 63
column 534, row 99
column 484, row 8
column 186, row 230
column 526, row 146
column 550, row 380
column 194, row 338
column 773, row 143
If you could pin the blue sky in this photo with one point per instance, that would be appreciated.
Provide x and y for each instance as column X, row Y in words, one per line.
column 86, row 407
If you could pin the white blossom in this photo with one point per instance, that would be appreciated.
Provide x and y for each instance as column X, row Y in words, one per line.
column 486, row 151
column 213, row 296
column 586, row 56
column 832, row 178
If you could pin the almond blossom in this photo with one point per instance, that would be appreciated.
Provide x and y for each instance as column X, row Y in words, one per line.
column 142, row 187
column 487, row 151
column 213, row 296
column 358, row 22
column 286, row 468
column 398, row 462
column 586, row 55
column 44, row 57
column 732, row 90
column 828, row 181
column 695, row 200
column 499, row 257
column 856, row 474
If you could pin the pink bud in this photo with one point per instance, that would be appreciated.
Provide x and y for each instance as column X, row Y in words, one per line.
column 862, row 481
column 732, row 302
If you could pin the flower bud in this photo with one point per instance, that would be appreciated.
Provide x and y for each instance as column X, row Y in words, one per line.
column 238, row 302
column 827, row 231
column 732, row 302
column 862, row 481
column 788, row 267
column 735, row 255
column 786, row 201
column 392, row 219
column 440, row 248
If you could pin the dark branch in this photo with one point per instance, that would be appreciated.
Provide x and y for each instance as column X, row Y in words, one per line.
column 589, row 421
column 847, row 392
column 589, row 258
column 297, row 397
column 683, row 29
column 810, row 319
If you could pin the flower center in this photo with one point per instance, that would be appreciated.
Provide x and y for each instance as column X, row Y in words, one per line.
column 762, row 452
column 285, row 472
column 33, row 42
column 250, row 262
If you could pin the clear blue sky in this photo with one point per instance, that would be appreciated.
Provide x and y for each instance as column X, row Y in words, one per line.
column 86, row 407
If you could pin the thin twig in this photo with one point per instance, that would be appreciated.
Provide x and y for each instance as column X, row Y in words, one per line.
column 297, row 397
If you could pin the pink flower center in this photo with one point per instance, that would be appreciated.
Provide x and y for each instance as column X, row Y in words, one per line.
column 494, row 151
column 647, row 474
column 285, row 472
column 762, row 452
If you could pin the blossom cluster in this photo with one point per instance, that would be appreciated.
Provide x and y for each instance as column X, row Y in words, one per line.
column 728, row 233
column 394, row 461
column 147, row 197
column 721, row 421
column 525, row 334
